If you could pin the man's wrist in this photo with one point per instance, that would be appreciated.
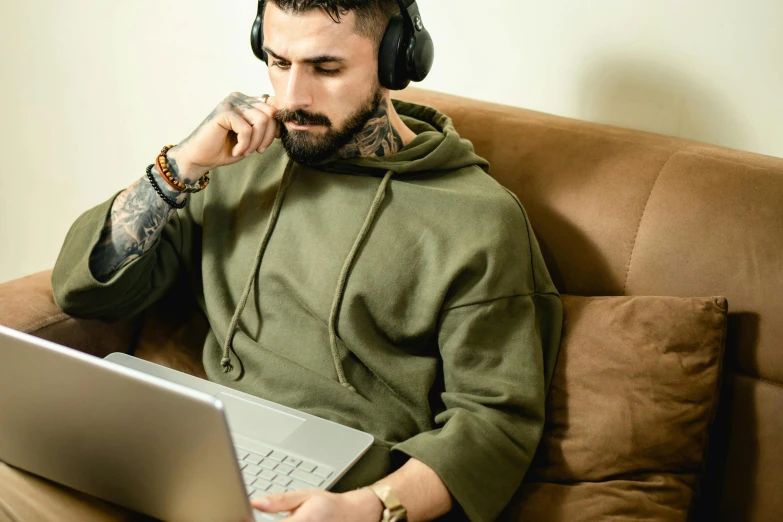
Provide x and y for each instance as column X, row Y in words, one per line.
column 182, row 169
column 165, row 187
column 368, row 503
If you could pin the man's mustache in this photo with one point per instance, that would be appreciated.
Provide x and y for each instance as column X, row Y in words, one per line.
column 302, row 117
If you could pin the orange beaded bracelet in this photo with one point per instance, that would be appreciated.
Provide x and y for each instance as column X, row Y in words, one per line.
column 162, row 162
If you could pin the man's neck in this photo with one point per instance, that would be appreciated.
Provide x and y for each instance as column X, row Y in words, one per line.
column 385, row 134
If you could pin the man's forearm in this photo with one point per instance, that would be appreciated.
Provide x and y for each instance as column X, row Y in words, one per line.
column 420, row 490
column 136, row 221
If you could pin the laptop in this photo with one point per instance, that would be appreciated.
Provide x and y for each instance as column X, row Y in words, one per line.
column 155, row 440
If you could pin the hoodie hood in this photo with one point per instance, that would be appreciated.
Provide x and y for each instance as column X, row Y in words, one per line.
column 436, row 147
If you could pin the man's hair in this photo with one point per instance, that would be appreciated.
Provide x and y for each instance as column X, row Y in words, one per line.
column 372, row 16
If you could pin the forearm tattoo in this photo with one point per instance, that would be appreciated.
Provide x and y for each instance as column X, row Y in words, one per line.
column 135, row 223
column 139, row 215
column 377, row 138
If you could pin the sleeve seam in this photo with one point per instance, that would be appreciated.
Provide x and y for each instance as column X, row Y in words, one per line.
column 488, row 301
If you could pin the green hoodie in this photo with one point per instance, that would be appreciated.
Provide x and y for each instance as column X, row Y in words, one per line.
column 404, row 296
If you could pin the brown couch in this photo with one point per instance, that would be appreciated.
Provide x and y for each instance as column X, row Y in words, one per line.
column 617, row 212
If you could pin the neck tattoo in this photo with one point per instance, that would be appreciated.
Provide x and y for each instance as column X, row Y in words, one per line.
column 377, row 138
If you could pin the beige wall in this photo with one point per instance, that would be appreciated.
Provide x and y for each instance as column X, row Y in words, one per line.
column 92, row 89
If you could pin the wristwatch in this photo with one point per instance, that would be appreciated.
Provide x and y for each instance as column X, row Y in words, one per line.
column 392, row 509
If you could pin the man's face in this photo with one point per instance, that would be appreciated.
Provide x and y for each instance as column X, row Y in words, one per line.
column 325, row 78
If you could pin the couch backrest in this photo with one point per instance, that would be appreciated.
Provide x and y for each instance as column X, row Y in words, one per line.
column 623, row 212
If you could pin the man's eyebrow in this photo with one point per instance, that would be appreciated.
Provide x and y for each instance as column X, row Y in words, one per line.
column 314, row 60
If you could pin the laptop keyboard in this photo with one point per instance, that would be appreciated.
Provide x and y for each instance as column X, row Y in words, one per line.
column 266, row 471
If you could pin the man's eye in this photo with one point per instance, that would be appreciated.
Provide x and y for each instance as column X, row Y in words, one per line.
column 327, row 72
column 282, row 65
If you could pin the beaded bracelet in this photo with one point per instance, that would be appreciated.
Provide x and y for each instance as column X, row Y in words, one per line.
column 163, row 196
column 162, row 162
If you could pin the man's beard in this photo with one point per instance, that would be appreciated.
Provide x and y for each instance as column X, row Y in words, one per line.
column 308, row 148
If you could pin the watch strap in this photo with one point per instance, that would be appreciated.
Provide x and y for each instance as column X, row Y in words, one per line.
column 393, row 510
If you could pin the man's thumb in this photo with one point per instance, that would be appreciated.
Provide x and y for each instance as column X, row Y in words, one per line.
column 280, row 502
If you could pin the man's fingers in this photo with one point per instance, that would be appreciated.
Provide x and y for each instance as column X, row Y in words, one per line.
column 243, row 130
column 261, row 117
column 269, row 136
column 259, row 124
column 282, row 501
column 258, row 102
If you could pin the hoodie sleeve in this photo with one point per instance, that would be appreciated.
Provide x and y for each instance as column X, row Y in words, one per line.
column 498, row 357
column 132, row 288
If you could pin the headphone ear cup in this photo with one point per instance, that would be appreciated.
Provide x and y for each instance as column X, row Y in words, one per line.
column 257, row 39
column 391, row 56
column 421, row 56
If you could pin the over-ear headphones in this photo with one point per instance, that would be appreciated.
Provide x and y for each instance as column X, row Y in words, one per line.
column 406, row 53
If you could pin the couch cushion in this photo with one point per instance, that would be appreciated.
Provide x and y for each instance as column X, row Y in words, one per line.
column 632, row 397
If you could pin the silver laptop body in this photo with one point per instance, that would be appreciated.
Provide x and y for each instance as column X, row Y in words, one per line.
column 155, row 440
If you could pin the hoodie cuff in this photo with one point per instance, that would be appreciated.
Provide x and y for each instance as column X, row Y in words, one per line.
column 478, row 463
column 77, row 292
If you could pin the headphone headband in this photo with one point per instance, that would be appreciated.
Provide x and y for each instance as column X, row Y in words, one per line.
column 406, row 53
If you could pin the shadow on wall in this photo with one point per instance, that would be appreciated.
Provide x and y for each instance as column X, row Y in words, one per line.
column 657, row 97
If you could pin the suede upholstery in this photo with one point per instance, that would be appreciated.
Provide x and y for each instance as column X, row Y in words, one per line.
column 623, row 212
column 616, row 212
column 632, row 397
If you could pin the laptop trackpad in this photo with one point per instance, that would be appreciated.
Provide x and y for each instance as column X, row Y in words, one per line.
column 258, row 421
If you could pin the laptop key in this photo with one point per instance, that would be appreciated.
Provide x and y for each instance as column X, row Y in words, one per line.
column 266, row 474
column 262, row 484
column 274, row 488
column 291, row 461
column 253, row 458
column 268, row 464
column 323, row 471
column 248, row 478
column 298, row 485
column 282, row 480
column 307, row 466
column 278, row 456
column 306, row 477
column 284, row 469
column 250, row 469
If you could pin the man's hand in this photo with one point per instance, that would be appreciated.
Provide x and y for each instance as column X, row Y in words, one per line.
column 314, row 505
column 239, row 126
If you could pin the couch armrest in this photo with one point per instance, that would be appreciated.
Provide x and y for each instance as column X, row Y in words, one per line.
column 27, row 305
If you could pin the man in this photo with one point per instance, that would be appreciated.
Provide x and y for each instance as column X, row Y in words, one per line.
column 363, row 268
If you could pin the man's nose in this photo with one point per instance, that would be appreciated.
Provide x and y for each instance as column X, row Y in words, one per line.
column 298, row 94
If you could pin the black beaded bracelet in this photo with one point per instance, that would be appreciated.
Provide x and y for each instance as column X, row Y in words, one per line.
column 163, row 196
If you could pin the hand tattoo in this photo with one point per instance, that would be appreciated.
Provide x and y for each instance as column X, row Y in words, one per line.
column 377, row 138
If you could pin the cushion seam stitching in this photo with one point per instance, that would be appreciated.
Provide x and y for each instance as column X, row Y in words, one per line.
column 641, row 219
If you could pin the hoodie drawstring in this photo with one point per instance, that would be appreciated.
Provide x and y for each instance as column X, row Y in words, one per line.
column 225, row 362
column 338, row 296
column 380, row 195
